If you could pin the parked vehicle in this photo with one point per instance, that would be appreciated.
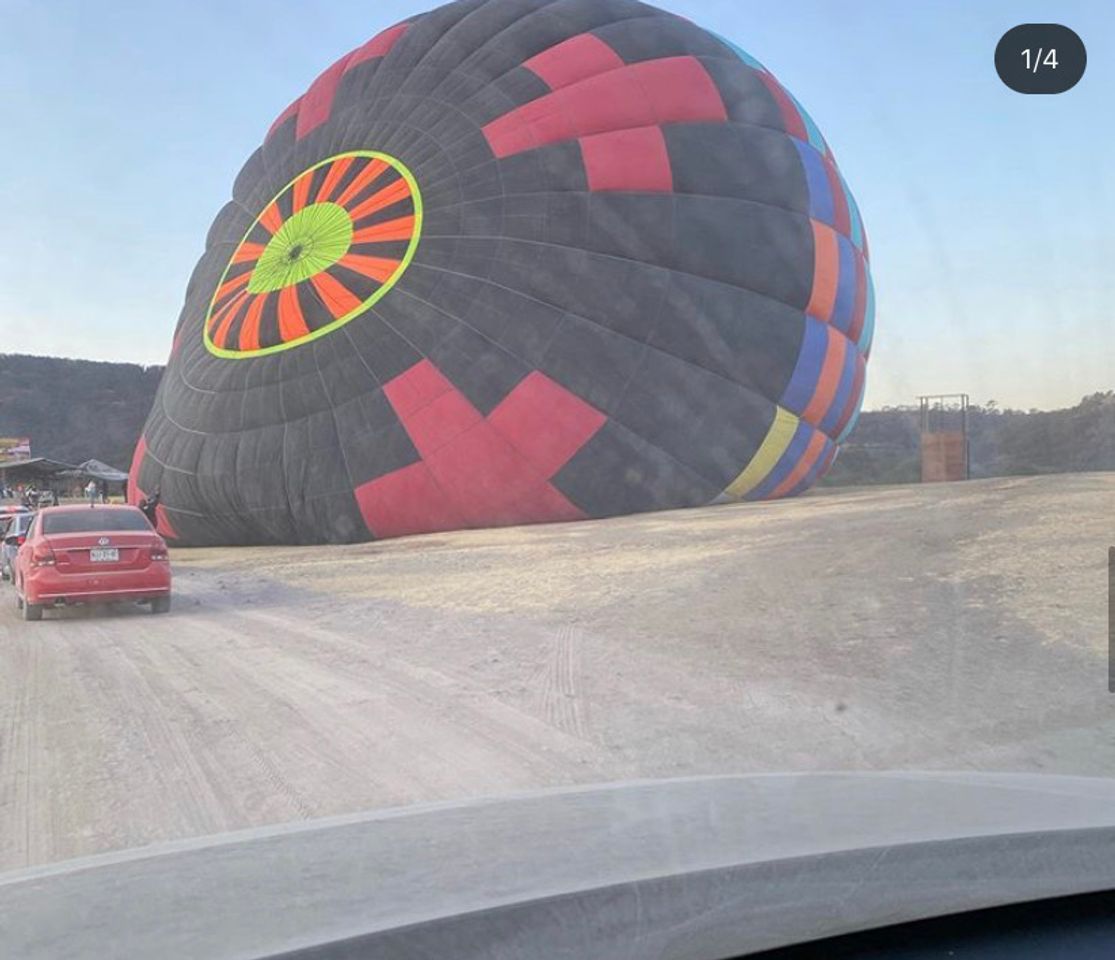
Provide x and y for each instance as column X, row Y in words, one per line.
column 98, row 554
column 13, row 529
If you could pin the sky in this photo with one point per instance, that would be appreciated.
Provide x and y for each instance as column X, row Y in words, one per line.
column 989, row 213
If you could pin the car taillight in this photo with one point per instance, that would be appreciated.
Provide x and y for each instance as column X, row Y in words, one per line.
column 42, row 556
column 20, row 541
column 159, row 551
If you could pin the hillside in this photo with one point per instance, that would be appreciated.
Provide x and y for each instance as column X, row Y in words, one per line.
column 77, row 409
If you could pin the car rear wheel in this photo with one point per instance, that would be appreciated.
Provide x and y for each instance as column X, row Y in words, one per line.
column 160, row 605
column 32, row 611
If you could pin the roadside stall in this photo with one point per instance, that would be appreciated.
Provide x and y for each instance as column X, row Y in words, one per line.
column 35, row 481
column 110, row 481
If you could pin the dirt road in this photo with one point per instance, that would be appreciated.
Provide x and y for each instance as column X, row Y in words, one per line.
column 926, row 627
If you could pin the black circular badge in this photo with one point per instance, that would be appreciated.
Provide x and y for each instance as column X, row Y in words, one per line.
column 1040, row 58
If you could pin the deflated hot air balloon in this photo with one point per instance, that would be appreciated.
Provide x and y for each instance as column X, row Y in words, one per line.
column 515, row 261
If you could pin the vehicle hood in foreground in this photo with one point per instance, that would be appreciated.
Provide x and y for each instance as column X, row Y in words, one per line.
column 697, row 868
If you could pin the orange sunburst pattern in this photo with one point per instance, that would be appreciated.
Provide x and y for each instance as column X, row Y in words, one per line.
column 323, row 251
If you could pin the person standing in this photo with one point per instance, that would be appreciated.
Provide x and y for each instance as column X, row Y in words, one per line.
column 91, row 492
column 149, row 506
column 104, row 491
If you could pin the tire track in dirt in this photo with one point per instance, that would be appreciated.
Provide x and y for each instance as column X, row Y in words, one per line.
column 15, row 747
column 161, row 681
column 453, row 701
column 556, row 683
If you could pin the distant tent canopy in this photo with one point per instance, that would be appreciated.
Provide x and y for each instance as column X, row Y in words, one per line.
column 43, row 468
column 515, row 261
column 37, row 468
column 97, row 470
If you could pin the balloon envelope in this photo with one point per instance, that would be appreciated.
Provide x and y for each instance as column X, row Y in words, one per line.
column 515, row 261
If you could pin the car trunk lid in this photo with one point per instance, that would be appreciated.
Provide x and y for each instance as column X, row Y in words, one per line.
column 108, row 551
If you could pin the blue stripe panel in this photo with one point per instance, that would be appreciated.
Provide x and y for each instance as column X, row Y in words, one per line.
column 843, row 392
column 868, row 335
column 811, row 128
column 844, row 311
column 814, row 343
column 821, row 206
column 854, row 419
column 740, row 52
column 794, row 452
column 811, row 477
column 854, row 215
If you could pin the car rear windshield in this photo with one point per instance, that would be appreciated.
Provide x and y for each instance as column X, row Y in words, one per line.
column 93, row 521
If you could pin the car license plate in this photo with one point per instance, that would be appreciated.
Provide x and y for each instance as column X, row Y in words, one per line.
column 104, row 555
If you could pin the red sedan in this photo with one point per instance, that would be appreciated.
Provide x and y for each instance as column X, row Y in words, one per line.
column 100, row 554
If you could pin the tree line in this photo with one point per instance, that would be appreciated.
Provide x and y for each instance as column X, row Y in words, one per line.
column 76, row 410
column 886, row 447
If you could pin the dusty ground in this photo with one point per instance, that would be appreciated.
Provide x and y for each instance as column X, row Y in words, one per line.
column 932, row 627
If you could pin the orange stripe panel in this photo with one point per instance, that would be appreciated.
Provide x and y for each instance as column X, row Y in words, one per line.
column 301, row 191
column 339, row 300
column 804, row 465
column 221, row 333
column 292, row 325
column 247, row 251
column 826, row 272
column 378, row 268
column 399, row 190
column 271, row 218
column 249, row 329
column 365, row 177
column 234, row 284
column 400, row 229
column 829, row 380
column 332, row 178
column 215, row 316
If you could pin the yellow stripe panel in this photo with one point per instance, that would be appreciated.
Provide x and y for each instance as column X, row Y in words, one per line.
column 778, row 438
